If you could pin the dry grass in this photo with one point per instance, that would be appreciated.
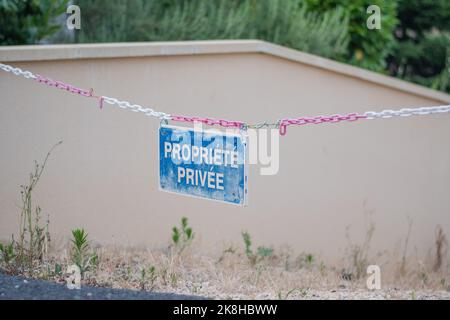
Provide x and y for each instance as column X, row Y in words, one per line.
column 238, row 271
column 230, row 275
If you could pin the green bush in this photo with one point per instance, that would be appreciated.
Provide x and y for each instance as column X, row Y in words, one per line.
column 289, row 23
column 422, row 15
column 367, row 48
column 29, row 21
column 422, row 51
column 286, row 22
column 412, row 43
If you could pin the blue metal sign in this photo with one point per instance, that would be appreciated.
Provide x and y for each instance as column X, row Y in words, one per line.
column 203, row 163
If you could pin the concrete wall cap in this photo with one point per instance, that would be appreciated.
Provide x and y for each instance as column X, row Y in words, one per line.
column 9, row 54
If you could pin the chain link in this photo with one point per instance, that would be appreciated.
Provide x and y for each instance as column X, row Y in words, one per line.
column 64, row 86
column 136, row 108
column 280, row 124
column 317, row 120
column 209, row 121
column 17, row 71
column 262, row 125
column 406, row 112
column 86, row 93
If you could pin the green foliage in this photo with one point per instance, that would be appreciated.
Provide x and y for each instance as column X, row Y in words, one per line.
column 442, row 80
column 264, row 252
column 7, row 256
column 183, row 236
column 29, row 21
column 175, row 236
column 21, row 256
column 34, row 238
column 367, row 48
column 427, row 61
column 81, row 254
column 247, row 242
column 148, row 278
column 423, row 15
column 289, row 23
column 305, row 260
column 286, row 22
column 58, row 269
column 422, row 52
column 309, row 259
column 412, row 43
column 261, row 252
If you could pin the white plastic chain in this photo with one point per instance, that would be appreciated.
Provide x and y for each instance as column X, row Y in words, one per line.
column 112, row 101
column 137, row 108
column 17, row 71
column 404, row 112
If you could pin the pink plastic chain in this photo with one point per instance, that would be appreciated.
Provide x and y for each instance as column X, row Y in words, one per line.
column 317, row 120
column 282, row 124
column 68, row 87
column 209, row 121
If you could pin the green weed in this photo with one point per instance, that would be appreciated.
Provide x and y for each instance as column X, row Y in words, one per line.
column 183, row 236
column 24, row 254
column 81, row 254
column 261, row 252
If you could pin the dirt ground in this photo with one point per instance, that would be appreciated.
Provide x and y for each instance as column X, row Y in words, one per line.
column 234, row 274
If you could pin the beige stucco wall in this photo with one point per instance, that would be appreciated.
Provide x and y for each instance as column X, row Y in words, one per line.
column 104, row 177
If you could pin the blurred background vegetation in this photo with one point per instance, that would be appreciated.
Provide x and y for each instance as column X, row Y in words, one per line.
column 413, row 42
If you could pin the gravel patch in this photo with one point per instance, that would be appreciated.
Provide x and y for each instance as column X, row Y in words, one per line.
column 349, row 294
column 389, row 294
column 19, row 288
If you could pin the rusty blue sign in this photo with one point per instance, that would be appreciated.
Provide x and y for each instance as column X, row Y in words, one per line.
column 208, row 164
